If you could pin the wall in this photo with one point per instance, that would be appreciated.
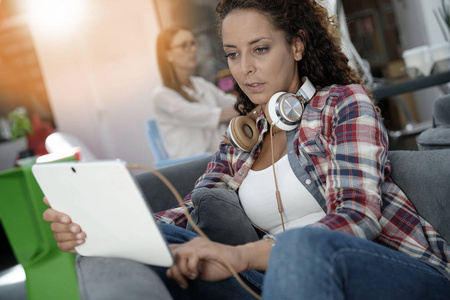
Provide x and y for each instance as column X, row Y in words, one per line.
column 417, row 23
column 99, row 78
column 434, row 33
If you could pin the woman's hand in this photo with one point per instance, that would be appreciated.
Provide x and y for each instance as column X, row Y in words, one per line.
column 67, row 234
column 200, row 258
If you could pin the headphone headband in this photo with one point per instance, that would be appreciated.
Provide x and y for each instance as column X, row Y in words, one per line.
column 306, row 91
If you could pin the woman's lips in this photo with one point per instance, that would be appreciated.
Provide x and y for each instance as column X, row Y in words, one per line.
column 254, row 86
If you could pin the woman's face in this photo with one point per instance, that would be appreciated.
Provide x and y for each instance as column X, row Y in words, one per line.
column 259, row 57
column 183, row 51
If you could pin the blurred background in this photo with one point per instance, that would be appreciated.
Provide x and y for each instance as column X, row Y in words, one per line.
column 87, row 67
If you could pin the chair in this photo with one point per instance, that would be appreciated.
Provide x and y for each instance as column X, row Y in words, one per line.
column 50, row 272
column 159, row 151
column 437, row 137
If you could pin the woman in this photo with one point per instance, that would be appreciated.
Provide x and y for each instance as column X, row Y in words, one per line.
column 367, row 243
column 191, row 112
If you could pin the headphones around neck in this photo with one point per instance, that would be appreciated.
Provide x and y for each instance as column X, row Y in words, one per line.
column 284, row 111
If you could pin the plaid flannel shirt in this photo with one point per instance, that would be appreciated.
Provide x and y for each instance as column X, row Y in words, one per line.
column 345, row 145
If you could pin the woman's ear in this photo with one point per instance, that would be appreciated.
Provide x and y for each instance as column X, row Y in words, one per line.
column 297, row 45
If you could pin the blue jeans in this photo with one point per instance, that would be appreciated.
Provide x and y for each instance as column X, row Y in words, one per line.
column 227, row 289
column 312, row 263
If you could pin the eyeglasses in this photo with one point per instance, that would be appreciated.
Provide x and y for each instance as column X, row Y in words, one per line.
column 186, row 46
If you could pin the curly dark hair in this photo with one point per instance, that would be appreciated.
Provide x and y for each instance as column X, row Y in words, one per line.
column 323, row 60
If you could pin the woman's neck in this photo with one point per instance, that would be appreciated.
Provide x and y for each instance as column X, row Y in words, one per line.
column 184, row 77
column 296, row 86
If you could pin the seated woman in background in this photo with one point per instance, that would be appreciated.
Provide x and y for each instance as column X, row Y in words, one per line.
column 191, row 112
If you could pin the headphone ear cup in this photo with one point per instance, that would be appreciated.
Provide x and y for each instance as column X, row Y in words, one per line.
column 283, row 111
column 267, row 114
column 242, row 133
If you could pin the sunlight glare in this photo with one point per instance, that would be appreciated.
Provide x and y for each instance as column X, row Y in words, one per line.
column 55, row 16
column 12, row 275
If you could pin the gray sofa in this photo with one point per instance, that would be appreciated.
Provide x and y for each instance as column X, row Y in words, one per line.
column 423, row 175
column 437, row 137
column 182, row 176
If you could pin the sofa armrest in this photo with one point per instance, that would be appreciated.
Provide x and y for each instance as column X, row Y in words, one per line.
column 423, row 176
column 182, row 176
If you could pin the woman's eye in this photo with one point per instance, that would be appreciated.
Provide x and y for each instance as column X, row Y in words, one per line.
column 261, row 50
column 231, row 55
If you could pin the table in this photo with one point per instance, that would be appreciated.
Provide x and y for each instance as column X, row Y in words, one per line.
column 412, row 128
column 439, row 79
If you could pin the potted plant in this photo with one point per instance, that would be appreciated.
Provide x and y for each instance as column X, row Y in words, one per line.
column 20, row 123
column 20, row 127
column 443, row 18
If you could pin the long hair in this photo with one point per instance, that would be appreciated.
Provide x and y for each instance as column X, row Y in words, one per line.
column 166, row 69
column 323, row 60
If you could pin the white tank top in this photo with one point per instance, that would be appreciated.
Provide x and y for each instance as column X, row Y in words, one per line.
column 257, row 196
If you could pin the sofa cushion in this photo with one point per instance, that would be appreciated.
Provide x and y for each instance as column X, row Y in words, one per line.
column 441, row 111
column 424, row 177
column 182, row 176
column 220, row 216
column 434, row 138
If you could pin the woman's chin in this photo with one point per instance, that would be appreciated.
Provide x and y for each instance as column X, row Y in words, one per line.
column 259, row 99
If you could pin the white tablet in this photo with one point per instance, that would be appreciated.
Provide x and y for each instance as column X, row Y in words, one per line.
column 104, row 199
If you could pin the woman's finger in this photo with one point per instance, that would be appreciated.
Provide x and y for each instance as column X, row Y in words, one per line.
column 186, row 258
column 51, row 215
column 68, row 236
column 174, row 273
column 192, row 267
column 61, row 227
column 68, row 246
column 187, row 265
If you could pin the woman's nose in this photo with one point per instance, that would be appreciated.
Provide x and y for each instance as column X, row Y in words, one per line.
column 247, row 64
